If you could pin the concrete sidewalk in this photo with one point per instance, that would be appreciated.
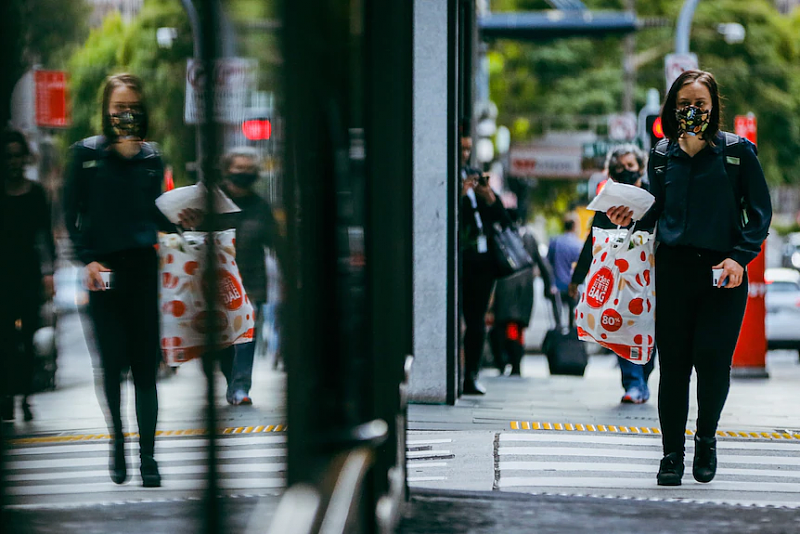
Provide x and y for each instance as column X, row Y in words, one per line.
column 754, row 405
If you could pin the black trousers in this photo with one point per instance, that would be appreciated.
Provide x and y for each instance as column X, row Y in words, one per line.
column 477, row 283
column 697, row 325
column 19, row 320
column 125, row 322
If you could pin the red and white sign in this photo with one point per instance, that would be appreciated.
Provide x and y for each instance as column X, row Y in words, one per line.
column 234, row 80
column 746, row 126
column 546, row 162
column 52, row 110
column 676, row 64
column 622, row 126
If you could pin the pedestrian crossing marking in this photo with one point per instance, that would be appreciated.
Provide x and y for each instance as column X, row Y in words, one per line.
column 752, row 472
column 577, row 427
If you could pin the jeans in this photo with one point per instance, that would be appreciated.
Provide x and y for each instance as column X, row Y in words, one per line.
column 236, row 362
column 635, row 375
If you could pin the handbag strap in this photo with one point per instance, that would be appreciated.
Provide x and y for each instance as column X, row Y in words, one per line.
column 474, row 202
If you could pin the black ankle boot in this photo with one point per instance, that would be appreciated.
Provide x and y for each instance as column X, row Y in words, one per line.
column 118, row 468
column 704, row 466
column 670, row 471
column 7, row 408
column 26, row 410
column 151, row 478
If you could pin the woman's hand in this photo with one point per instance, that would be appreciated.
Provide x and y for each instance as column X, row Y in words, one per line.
column 485, row 192
column 572, row 291
column 94, row 282
column 732, row 272
column 191, row 218
column 49, row 286
column 620, row 215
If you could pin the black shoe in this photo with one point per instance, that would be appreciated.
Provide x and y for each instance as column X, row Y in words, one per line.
column 704, row 466
column 473, row 387
column 151, row 478
column 7, row 409
column 26, row 411
column 515, row 370
column 670, row 471
column 118, row 469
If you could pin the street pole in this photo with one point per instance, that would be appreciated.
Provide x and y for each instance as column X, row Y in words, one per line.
column 684, row 27
column 197, row 38
column 629, row 85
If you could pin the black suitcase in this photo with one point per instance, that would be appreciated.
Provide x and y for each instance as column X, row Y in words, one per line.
column 566, row 354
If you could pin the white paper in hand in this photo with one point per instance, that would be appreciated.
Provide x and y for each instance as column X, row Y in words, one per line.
column 615, row 194
column 172, row 203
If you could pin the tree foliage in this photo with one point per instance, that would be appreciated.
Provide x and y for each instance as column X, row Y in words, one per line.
column 580, row 76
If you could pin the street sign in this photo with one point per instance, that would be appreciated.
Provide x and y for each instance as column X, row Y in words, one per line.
column 676, row 64
column 533, row 162
column 746, row 126
column 52, row 110
column 234, row 80
column 622, row 126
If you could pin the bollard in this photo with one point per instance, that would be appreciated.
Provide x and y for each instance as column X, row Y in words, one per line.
column 750, row 356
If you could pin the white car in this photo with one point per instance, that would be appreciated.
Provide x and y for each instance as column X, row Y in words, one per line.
column 783, row 308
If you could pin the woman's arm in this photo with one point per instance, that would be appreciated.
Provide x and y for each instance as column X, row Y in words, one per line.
column 758, row 207
column 75, row 216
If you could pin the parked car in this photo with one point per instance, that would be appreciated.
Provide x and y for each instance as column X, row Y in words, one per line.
column 783, row 308
column 790, row 256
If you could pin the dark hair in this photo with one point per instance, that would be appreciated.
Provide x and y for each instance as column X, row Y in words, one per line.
column 15, row 136
column 614, row 155
column 132, row 82
column 569, row 224
column 668, row 121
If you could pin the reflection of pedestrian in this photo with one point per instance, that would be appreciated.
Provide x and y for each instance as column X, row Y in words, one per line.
column 26, row 269
column 256, row 230
column 563, row 252
column 479, row 210
column 624, row 165
column 110, row 191
column 698, row 185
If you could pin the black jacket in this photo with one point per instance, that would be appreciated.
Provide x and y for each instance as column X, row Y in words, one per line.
column 697, row 203
column 468, row 227
column 109, row 201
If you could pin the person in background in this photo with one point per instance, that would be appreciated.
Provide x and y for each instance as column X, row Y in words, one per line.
column 513, row 305
column 624, row 164
column 256, row 230
column 26, row 268
column 707, row 219
column 480, row 208
column 562, row 253
column 110, row 190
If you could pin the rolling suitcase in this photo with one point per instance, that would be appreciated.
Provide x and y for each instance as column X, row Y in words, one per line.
column 566, row 354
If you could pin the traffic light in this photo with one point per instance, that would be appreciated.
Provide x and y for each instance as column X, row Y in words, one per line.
column 259, row 129
column 654, row 129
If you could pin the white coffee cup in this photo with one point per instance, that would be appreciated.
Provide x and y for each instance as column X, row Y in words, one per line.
column 108, row 277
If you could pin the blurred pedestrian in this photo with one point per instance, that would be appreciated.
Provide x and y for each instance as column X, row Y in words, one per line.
column 111, row 186
column 514, row 302
column 624, row 164
column 712, row 210
column 563, row 253
column 479, row 210
column 256, row 231
column 26, row 269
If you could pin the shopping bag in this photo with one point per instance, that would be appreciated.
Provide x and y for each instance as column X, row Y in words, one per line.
column 617, row 307
column 184, row 310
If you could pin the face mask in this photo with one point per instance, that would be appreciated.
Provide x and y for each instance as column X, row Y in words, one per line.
column 127, row 124
column 692, row 120
column 243, row 179
column 626, row 176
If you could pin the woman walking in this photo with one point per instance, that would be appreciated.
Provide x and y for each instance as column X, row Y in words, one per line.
column 27, row 272
column 712, row 210
column 110, row 191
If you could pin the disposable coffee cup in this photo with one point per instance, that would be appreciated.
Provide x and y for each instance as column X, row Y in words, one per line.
column 107, row 277
column 716, row 276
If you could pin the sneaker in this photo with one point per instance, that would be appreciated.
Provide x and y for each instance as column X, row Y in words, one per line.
column 704, row 466
column 633, row 395
column 670, row 471
column 239, row 398
column 645, row 393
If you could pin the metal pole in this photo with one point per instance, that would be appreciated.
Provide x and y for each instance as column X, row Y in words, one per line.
column 684, row 27
column 198, row 54
column 629, row 84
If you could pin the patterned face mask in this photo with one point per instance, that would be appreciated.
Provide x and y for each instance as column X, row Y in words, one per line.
column 692, row 120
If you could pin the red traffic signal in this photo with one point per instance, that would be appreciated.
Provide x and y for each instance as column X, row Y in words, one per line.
column 257, row 129
column 657, row 129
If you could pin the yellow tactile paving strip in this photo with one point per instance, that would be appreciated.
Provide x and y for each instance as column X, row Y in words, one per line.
column 159, row 434
column 535, row 425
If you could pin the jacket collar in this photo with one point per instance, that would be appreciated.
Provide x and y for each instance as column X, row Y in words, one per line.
column 719, row 144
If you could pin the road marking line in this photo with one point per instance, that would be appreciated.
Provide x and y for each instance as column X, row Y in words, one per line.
column 621, row 469
column 654, row 454
column 643, row 441
column 560, row 427
column 647, row 484
column 199, row 469
column 412, row 442
column 159, row 433
column 169, row 485
column 425, row 479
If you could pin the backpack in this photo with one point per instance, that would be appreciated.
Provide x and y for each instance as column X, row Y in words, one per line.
column 731, row 151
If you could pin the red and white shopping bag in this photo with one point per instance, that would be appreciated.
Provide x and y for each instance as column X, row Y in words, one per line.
column 617, row 307
column 184, row 312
